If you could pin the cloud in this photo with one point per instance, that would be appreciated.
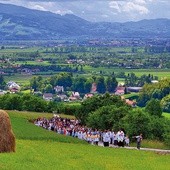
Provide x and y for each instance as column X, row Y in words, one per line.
column 134, row 7
column 114, row 5
column 101, row 10
column 39, row 7
column 142, row 2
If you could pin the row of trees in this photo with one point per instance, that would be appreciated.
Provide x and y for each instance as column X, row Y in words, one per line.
column 132, row 80
column 28, row 102
column 160, row 91
column 101, row 112
column 110, row 112
column 157, row 49
column 78, row 83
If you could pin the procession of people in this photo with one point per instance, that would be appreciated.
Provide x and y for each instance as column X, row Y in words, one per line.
column 72, row 127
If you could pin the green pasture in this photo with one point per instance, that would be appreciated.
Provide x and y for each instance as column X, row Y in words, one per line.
column 18, row 78
column 161, row 73
column 43, row 63
column 167, row 115
column 151, row 144
column 21, row 79
column 131, row 96
column 40, row 149
column 19, row 49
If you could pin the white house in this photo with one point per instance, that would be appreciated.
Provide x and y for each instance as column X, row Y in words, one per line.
column 59, row 89
column 13, row 87
column 74, row 96
column 48, row 96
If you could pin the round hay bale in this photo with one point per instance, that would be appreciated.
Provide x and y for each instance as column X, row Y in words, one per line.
column 7, row 138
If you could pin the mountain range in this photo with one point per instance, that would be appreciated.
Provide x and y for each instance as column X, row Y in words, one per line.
column 20, row 23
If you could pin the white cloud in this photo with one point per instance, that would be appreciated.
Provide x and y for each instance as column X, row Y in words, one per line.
column 102, row 10
column 142, row 2
column 130, row 6
column 134, row 7
column 63, row 12
column 115, row 5
column 39, row 7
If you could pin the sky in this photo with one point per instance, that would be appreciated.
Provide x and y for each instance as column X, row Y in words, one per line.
column 101, row 10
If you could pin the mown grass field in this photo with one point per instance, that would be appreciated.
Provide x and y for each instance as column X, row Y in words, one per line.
column 160, row 73
column 40, row 149
column 167, row 115
column 21, row 78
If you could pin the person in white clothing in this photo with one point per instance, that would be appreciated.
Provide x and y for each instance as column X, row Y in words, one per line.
column 121, row 138
column 106, row 139
column 127, row 141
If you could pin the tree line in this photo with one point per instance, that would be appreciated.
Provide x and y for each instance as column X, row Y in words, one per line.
column 111, row 112
column 77, row 83
column 101, row 112
column 159, row 91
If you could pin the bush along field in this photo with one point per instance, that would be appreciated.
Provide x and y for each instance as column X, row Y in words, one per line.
column 38, row 148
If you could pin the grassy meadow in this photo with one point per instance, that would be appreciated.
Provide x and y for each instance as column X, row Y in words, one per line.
column 167, row 115
column 160, row 73
column 40, row 149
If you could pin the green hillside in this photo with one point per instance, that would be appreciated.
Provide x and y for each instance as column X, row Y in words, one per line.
column 40, row 149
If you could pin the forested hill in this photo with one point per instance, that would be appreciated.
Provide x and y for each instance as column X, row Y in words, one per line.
column 19, row 23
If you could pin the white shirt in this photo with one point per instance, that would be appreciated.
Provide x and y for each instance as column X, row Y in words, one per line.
column 106, row 137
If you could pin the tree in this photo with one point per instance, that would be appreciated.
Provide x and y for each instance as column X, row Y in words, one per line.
column 92, row 104
column 34, row 83
column 64, row 79
column 142, row 99
column 159, row 127
column 131, row 80
column 165, row 103
column 111, row 84
column 156, row 90
column 33, row 103
column 107, row 117
column 11, row 102
column 78, row 84
column 136, row 122
column 2, row 82
column 101, row 87
column 153, row 107
column 87, row 85
column 49, row 88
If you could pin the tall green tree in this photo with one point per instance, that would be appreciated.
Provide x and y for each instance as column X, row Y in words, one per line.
column 64, row 79
column 165, row 103
column 2, row 82
column 111, row 84
column 136, row 122
column 34, row 83
column 153, row 107
column 107, row 117
column 49, row 88
column 78, row 84
column 101, row 86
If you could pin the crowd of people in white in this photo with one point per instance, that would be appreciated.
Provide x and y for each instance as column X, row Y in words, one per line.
column 72, row 127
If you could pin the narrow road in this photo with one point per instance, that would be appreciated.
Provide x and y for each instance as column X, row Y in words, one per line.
column 161, row 151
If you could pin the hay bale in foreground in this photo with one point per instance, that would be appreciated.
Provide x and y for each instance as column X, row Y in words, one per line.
column 7, row 138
